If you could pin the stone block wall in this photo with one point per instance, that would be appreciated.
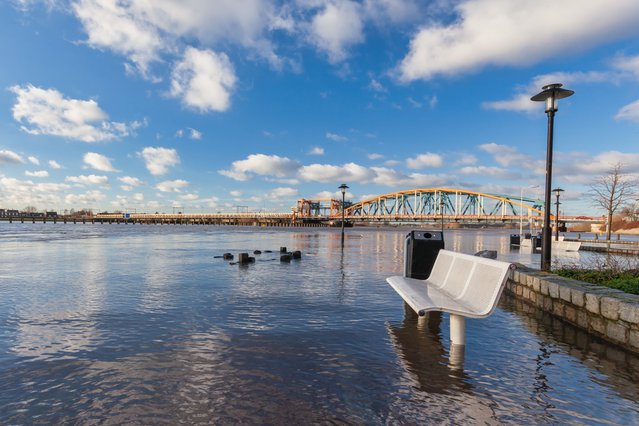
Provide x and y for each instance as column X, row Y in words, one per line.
column 608, row 313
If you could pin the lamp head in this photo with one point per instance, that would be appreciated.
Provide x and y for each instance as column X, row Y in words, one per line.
column 343, row 187
column 550, row 94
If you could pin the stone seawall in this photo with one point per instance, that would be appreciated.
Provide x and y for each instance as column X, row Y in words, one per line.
column 608, row 313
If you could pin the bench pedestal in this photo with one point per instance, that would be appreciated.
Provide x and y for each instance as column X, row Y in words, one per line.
column 457, row 329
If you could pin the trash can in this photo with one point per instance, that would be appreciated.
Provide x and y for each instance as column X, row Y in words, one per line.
column 515, row 239
column 420, row 251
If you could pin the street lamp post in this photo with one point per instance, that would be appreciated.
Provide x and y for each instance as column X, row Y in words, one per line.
column 549, row 94
column 557, row 192
column 343, row 188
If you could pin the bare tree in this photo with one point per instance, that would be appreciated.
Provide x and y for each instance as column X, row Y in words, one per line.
column 610, row 191
column 30, row 209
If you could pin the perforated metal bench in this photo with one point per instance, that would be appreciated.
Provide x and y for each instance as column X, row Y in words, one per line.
column 460, row 284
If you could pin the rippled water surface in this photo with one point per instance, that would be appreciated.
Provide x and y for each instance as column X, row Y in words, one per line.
column 141, row 324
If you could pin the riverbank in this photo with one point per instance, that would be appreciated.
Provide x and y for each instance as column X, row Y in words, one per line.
column 604, row 312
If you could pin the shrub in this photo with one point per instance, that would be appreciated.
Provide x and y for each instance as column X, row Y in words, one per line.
column 626, row 280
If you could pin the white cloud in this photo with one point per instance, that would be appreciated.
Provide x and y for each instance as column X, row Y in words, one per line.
column 336, row 137
column 395, row 11
column 316, row 150
column 19, row 193
column 278, row 167
column 93, row 160
column 477, row 37
column 601, row 163
column 120, row 201
column 213, row 202
column 374, row 156
column 325, row 195
column 628, row 64
column 48, row 112
column 87, row 199
column 414, row 103
column 261, row 164
column 235, row 194
column 154, row 205
column 422, row 161
column 195, row 134
column 129, row 180
column 392, row 178
column 138, row 196
column 172, row 185
column 203, row 80
column 521, row 99
column 122, row 28
column 189, row 197
column 158, row 160
column 143, row 31
column 629, row 112
column 336, row 28
column 433, row 101
column 283, row 193
column 349, row 172
column 88, row 180
column 9, row 157
column 376, row 86
column 488, row 171
column 33, row 160
column 504, row 155
column 465, row 160
column 39, row 173
column 235, row 175
column 54, row 164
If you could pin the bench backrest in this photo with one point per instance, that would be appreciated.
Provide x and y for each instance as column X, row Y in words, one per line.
column 476, row 280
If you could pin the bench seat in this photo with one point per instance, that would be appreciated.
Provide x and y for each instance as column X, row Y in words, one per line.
column 459, row 284
column 423, row 298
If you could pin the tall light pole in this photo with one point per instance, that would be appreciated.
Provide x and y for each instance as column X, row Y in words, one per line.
column 557, row 192
column 343, row 188
column 549, row 94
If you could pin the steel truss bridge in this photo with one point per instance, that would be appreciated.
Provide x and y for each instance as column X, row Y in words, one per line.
column 433, row 204
column 451, row 205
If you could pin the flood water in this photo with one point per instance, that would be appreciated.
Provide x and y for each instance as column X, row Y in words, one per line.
column 112, row 324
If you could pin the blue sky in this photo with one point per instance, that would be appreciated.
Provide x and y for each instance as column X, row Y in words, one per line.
column 207, row 105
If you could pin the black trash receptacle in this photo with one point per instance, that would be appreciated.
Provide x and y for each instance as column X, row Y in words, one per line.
column 420, row 251
column 515, row 239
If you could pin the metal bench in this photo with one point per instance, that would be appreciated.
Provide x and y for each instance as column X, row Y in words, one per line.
column 460, row 284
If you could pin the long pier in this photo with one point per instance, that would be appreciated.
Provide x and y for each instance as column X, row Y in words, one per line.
column 236, row 219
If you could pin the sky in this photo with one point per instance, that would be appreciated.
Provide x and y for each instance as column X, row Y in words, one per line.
column 222, row 105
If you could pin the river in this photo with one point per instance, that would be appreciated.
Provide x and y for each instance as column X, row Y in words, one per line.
column 142, row 324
